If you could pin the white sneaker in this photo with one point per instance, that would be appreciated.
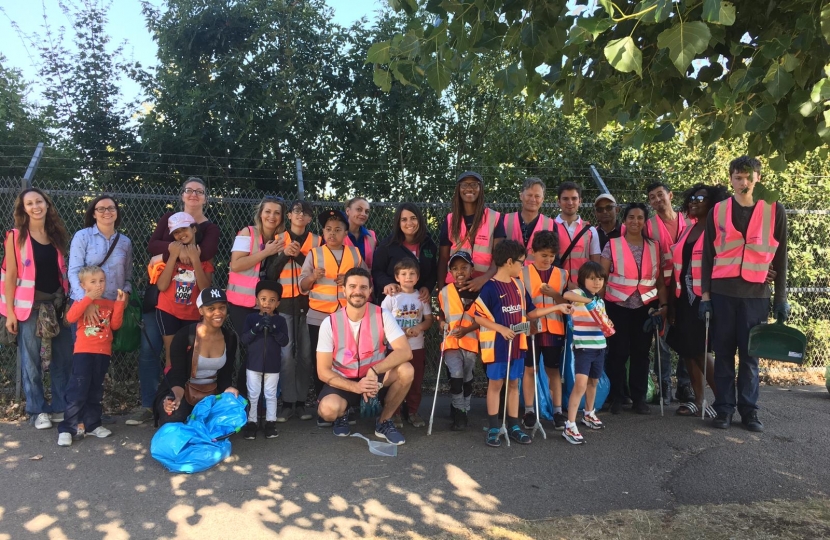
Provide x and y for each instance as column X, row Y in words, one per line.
column 100, row 432
column 42, row 421
column 64, row 439
column 56, row 417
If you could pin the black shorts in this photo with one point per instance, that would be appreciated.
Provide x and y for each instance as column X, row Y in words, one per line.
column 170, row 324
column 352, row 399
column 551, row 356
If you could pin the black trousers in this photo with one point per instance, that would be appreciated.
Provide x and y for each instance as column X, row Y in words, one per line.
column 629, row 342
column 313, row 337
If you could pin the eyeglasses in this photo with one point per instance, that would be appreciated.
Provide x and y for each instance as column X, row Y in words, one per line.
column 604, row 209
column 520, row 261
column 191, row 191
column 299, row 211
column 698, row 198
column 106, row 209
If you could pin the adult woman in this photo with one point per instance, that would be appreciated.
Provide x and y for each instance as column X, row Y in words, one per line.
column 202, row 357
column 632, row 292
column 410, row 239
column 252, row 246
column 100, row 244
column 357, row 211
column 687, row 336
column 35, row 274
column 193, row 197
column 471, row 227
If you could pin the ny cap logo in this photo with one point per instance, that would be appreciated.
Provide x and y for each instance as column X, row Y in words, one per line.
column 216, row 293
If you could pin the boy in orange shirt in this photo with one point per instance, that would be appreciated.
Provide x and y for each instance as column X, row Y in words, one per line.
column 91, row 358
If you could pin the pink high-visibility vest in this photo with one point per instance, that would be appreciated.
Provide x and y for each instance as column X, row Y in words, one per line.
column 695, row 263
column 352, row 359
column 24, row 293
column 370, row 241
column 748, row 257
column 657, row 231
column 513, row 231
column 482, row 248
column 581, row 253
column 627, row 277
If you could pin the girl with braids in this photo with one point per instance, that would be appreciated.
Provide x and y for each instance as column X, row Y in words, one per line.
column 34, row 273
column 471, row 227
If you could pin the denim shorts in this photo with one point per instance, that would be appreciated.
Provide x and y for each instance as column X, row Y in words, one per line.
column 589, row 362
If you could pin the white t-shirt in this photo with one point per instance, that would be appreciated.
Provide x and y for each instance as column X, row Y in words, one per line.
column 408, row 311
column 391, row 331
column 593, row 249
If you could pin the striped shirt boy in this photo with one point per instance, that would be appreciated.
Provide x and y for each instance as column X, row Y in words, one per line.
column 586, row 332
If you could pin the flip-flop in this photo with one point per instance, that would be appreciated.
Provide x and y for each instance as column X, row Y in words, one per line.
column 710, row 412
column 688, row 409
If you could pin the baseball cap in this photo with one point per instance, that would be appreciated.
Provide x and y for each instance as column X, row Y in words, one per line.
column 179, row 220
column 269, row 285
column 326, row 215
column 469, row 174
column 460, row 255
column 607, row 196
column 211, row 295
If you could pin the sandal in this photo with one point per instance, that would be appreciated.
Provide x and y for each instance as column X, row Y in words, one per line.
column 493, row 438
column 688, row 409
column 519, row 436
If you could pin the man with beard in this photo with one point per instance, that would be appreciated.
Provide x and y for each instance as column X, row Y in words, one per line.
column 353, row 364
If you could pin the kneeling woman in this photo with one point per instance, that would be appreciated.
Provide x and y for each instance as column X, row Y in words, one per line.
column 201, row 360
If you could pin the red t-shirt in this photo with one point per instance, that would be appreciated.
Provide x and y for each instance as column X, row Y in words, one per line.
column 96, row 339
column 179, row 300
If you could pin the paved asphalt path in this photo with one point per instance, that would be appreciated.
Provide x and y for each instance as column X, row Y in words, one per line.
column 308, row 484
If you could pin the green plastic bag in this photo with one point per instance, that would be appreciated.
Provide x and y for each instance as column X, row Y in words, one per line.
column 128, row 337
column 652, row 388
column 827, row 378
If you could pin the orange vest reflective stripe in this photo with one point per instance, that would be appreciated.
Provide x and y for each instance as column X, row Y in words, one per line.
column 748, row 258
column 290, row 275
column 695, row 263
column 482, row 248
column 552, row 323
column 627, row 277
column 513, row 231
column 581, row 253
column 325, row 296
column 242, row 285
column 370, row 241
column 352, row 359
column 24, row 292
column 657, row 231
column 453, row 308
column 487, row 337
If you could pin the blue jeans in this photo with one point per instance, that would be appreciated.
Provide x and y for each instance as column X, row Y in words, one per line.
column 84, row 392
column 149, row 359
column 28, row 347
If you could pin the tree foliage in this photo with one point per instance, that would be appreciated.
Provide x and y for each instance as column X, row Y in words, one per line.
column 724, row 70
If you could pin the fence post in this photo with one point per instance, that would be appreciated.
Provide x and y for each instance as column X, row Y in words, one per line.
column 30, row 171
column 300, row 183
column 598, row 180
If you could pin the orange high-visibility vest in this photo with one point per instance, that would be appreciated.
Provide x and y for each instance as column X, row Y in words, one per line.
column 487, row 337
column 24, row 292
column 352, row 359
column 325, row 296
column 695, row 264
column 552, row 323
column 370, row 241
column 627, row 277
column 290, row 275
column 657, row 231
column 457, row 317
column 482, row 248
column 748, row 258
column 581, row 253
column 513, row 231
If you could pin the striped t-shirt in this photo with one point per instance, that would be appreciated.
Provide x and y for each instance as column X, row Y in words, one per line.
column 587, row 333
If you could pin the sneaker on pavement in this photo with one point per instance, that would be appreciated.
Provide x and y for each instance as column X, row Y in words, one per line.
column 341, row 426
column 529, row 419
column 573, row 436
column 516, row 433
column 42, row 421
column 302, row 414
column 56, row 417
column 616, row 407
column 249, row 431
column 107, row 419
column 751, row 422
column 285, row 414
column 352, row 416
column 592, row 421
column 493, row 438
column 64, row 439
column 459, row 420
column 100, row 432
column 139, row 417
column 387, row 430
column 397, row 420
column 416, row 420
column 559, row 421
column 322, row 423
column 722, row 421
column 641, row 407
column 270, row 430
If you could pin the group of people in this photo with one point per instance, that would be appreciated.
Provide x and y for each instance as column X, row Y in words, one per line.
column 347, row 312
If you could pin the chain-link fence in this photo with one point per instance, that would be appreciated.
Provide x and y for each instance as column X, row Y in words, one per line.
column 809, row 273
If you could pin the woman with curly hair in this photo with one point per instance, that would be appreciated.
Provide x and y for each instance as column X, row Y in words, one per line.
column 34, row 274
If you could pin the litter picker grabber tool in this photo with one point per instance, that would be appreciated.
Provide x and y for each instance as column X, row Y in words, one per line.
column 659, row 365
column 437, row 381
column 503, row 428
column 705, row 364
column 538, row 425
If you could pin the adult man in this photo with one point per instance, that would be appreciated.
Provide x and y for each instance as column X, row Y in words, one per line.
column 352, row 362
column 606, row 211
column 665, row 227
column 578, row 240
column 742, row 240
column 522, row 226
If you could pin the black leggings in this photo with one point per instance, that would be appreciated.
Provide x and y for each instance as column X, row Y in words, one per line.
column 314, row 337
column 629, row 342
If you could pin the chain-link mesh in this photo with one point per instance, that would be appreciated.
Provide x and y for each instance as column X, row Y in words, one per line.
column 142, row 205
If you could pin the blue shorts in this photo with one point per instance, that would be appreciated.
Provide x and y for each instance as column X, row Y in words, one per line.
column 589, row 362
column 498, row 370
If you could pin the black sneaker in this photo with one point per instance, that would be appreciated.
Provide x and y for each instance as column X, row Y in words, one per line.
column 270, row 430
column 352, row 416
column 559, row 421
column 459, row 420
column 751, row 422
column 641, row 407
column 322, row 423
column 616, row 407
column 529, row 419
column 341, row 426
column 249, row 431
column 685, row 394
column 722, row 421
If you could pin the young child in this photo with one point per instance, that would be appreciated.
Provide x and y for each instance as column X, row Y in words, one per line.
column 264, row 334
column 461, row 342
column 91, row 358
column 321, row 278
column 545, row 283
column 502, row 303
column 180, row 282
column 589, row 348
column 414, row 317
